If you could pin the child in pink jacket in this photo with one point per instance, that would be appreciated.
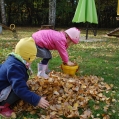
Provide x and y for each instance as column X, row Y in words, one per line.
column 47, row 40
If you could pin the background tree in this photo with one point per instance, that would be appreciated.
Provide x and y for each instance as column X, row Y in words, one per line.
column 58, row 13
column 52, row 12
column 3, row 14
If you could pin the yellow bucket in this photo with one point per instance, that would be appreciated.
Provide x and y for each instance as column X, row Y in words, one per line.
column 70, row 70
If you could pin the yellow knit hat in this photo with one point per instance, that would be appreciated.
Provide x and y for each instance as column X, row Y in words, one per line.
column 26, row 48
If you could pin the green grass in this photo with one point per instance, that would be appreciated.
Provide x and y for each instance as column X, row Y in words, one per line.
column 99, row 58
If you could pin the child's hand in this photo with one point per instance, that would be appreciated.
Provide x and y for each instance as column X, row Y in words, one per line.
column 43, row 103
column 70, row 63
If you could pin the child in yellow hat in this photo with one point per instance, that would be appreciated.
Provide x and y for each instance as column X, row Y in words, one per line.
column 14, row 76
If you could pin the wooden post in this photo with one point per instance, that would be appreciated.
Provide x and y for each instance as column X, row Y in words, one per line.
column 46, row 27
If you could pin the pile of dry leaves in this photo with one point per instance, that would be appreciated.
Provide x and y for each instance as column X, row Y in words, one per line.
column 66, row 95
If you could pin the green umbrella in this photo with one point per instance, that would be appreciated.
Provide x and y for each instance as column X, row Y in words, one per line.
column 86, row 12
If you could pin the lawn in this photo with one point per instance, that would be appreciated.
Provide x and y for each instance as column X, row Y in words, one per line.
column 97, row 58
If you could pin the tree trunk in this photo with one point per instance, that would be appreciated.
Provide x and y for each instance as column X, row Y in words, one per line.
column 52, row 12
column 3, row 14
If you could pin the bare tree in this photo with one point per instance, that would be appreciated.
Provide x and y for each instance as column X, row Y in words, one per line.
column 3, row 14
column 52, row 12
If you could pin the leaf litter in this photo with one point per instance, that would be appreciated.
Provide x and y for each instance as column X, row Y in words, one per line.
column 66, row 95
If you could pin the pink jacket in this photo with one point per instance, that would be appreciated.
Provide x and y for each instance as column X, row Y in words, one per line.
column 52, row 40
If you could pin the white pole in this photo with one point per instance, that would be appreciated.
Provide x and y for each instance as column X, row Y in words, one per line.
column 0, row 29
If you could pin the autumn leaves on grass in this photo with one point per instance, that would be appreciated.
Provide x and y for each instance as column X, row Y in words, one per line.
column 66, row 95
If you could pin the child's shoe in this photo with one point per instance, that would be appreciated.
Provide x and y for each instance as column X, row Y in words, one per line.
column 5, row 111
column 39, row 65
column 42, row 72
